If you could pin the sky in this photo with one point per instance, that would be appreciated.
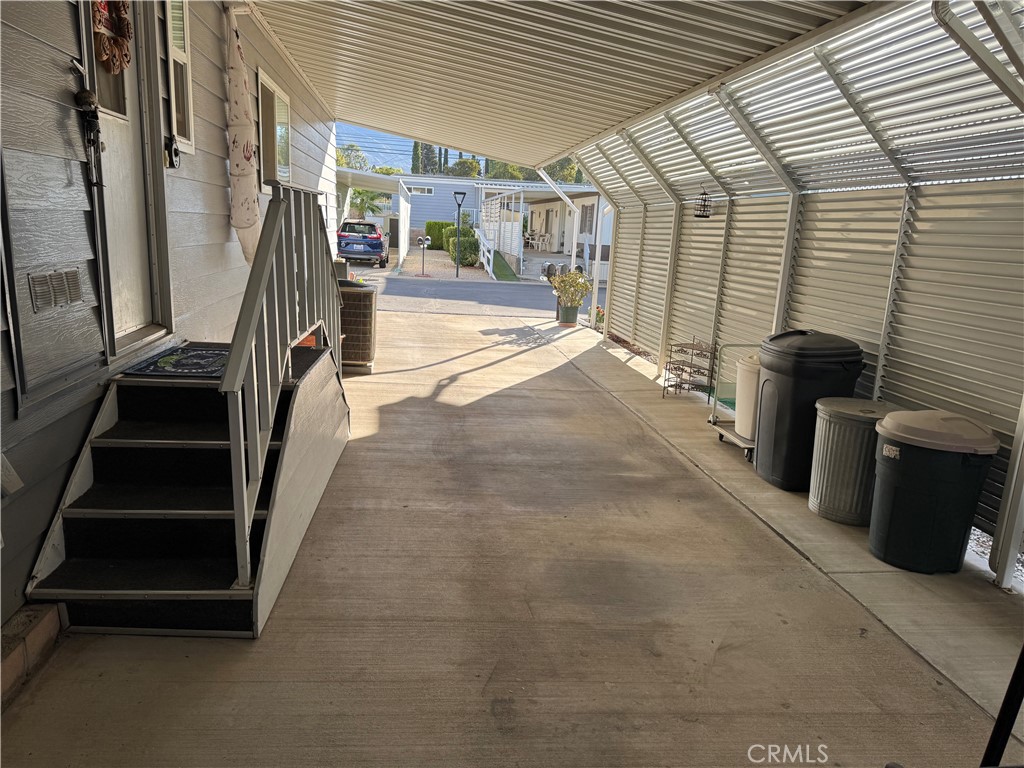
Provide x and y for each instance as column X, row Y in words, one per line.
column 380, row 148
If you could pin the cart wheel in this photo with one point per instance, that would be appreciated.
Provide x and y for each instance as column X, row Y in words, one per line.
column 748, row 454
column 721, row 437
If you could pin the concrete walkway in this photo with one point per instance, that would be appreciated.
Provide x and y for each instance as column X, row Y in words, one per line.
column 511, row 568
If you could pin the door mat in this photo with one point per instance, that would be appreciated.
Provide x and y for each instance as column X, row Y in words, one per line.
column 195, row 361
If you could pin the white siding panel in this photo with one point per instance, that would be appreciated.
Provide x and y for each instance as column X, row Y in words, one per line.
column 843, row 267
column 698, row 265
column 956, row 337
column 753, row 258
column 657, row 247
column 622, row 306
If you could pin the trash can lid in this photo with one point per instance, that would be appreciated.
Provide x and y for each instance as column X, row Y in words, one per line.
column 938, row 430
column 807, row 344
column 854, row 408
column 749, row 361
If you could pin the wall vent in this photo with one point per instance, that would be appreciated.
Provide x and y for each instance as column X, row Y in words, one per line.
column 55, row 289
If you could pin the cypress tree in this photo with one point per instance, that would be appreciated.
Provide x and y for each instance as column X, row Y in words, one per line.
column 445, row 164
column 417, row 158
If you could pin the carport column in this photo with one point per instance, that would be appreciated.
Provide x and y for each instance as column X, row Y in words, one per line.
column 570, row 204
column 759, row 143
column 611, row 249
column 1009, row 535
column 721, row 272
column 522, row 213
column 673, row 248
column 602, row 209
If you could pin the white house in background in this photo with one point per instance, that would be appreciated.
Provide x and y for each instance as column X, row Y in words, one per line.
column 551, row 216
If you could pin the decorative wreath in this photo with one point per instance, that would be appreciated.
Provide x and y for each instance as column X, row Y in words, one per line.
column 112, row 34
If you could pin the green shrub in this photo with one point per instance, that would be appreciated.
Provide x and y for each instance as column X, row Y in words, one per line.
column 470, row 249
column 435, row 231
column 448, row 238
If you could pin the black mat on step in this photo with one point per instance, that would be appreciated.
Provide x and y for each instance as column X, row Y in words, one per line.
column 192, row 361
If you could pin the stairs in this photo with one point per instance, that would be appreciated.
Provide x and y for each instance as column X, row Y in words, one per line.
column 144, row 540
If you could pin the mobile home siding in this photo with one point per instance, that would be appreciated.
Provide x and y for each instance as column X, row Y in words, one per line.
column 208, row 272
column 47, row 226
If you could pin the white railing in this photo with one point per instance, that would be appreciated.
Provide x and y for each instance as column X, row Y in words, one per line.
column 291, row 293
column 486, row 252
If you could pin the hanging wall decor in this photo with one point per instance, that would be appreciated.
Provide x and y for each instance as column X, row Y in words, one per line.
column 112, row 34
column 245, row 203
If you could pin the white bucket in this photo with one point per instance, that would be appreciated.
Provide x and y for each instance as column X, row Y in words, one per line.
column 748, row 369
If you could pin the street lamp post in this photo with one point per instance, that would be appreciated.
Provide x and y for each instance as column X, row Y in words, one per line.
column 459, row 197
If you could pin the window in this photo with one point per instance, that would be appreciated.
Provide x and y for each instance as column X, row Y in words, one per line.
column 421, row 190
column 275, row 132
column 179, row 52
column 587, row 219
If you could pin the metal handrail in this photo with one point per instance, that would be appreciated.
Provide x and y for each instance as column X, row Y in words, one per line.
column 291, row 293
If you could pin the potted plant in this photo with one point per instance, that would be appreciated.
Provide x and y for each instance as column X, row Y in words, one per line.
column 571, row 289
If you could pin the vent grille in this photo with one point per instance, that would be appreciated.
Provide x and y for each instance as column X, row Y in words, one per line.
column 50, row 290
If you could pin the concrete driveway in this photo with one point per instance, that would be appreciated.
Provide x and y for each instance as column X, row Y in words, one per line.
column 510, row 568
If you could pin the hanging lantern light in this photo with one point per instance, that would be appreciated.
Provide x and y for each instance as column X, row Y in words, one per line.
column 702, row 209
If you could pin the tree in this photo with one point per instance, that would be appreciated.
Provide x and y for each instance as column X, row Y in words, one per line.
column 365, row 201
column 562, row 171
column 579, row 175
column 387, row 170
column 417, row 158
column 444, row 165
column 501, row 170
column 351, row 156
column 428, row 160
column 465, row 167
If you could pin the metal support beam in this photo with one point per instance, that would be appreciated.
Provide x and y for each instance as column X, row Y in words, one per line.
column 835, row 74
column 1009, row 536
column 786, row 266
column 589, row 176
column 691, row 145
column 673, row 248
column 754, row 137
column 602, row 211
column 621, row 175
column 978, row 52
column 1006, row 31
column 612, row 247
column 572, row 206
column 721, row 273
column 898, row 257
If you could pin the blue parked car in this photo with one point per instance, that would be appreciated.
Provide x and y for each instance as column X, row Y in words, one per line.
column 363, row 241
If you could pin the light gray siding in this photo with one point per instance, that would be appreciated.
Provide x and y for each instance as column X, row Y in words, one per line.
column 439, row 206
column 208, row 272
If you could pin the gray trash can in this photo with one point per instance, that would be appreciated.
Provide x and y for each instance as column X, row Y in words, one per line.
column 929, row 470
column 843, row 467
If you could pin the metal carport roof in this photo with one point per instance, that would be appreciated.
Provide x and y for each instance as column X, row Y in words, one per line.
column 532, row 80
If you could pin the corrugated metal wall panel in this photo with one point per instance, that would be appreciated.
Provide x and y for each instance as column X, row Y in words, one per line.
column 943, row 115
column 657, row 246
column 698, row 265
column 680, row 168
column 613, row 185
column 843, row 266
column 750, row 277
column 626, row 264
column 626, row 163
column 811, row 128
column 956, row 336
column 733, row 159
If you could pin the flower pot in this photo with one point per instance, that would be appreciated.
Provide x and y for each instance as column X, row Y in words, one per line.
column 567, row 316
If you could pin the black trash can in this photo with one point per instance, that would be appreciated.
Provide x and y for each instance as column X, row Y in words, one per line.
column 798, row 368
column 929, row 470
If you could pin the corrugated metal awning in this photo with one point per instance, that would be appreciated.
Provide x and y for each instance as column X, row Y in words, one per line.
column 526, row 81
